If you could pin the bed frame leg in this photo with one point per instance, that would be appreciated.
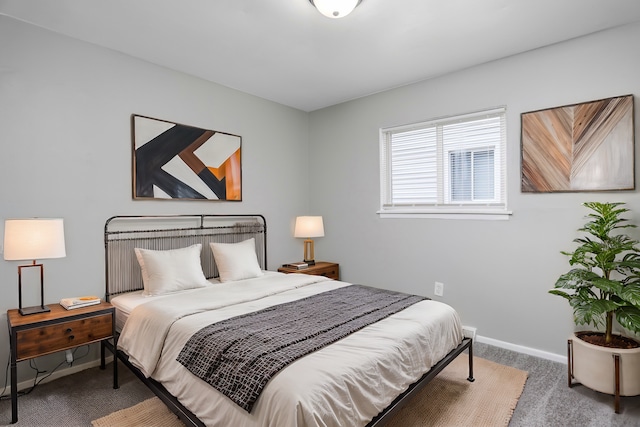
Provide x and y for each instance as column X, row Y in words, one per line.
column 470, row 378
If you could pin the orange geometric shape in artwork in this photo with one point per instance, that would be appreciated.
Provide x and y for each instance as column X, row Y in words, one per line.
column 232, row 171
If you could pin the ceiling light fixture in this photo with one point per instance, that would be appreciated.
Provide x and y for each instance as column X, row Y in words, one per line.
column 335, row 8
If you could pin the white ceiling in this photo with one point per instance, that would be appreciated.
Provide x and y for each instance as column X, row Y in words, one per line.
column 286, row 51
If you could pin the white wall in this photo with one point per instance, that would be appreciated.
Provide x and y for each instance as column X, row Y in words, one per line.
column 496, row 273
column 65, row 134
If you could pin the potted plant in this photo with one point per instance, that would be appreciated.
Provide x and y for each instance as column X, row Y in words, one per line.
column 603, row 286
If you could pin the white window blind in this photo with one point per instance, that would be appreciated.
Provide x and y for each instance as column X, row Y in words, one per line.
column 452, row 165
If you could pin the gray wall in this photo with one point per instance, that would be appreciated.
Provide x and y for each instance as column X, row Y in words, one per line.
column 65, row 133
column 496, row 273
column 65, row 111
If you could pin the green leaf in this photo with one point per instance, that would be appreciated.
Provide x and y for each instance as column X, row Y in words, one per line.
column 560, row 293
column 629, row 318
column 607, row 285
column 631, row 293
column 583, row 314
column 603, row 306
column 629, row 262
column 576, row 278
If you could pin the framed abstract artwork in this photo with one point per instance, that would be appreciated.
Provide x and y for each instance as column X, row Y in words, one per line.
column 180, row 162
column 579, row 147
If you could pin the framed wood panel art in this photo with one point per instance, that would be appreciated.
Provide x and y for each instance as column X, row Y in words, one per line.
column 180, row 162
column 579, row 147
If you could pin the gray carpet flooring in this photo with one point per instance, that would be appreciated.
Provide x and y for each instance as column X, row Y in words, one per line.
column 546, row 401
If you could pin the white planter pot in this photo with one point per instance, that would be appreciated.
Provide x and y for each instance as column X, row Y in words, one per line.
column 594, row 367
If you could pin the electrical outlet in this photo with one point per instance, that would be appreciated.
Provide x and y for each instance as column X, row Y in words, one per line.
column 439, row 289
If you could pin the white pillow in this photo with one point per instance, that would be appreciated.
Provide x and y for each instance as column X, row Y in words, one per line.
column 236, row 261
column 172, row 270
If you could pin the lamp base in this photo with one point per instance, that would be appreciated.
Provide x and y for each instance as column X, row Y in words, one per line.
column 309, row 255
column 34, row 310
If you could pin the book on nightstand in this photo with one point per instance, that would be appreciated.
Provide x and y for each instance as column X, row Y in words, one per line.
column 296, row 265
column 77, row 302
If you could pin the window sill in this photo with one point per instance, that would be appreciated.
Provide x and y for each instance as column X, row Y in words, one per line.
column 448, row 213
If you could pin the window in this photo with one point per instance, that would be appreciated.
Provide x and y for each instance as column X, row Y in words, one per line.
column 446, row 166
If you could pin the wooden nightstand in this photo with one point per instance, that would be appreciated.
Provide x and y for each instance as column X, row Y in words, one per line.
column 321, row 268
column 60, row 329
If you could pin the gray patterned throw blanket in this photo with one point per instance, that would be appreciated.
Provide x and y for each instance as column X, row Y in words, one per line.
column 238, row 356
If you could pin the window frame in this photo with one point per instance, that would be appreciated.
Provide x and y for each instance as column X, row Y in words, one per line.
column 445, row 207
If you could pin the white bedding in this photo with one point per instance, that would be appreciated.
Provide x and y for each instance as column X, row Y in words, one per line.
column 125, row 303
column 344, row 384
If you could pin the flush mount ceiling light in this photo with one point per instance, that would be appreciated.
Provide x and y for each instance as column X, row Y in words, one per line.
column 335, row 8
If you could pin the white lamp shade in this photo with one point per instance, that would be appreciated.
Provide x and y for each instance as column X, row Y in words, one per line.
column 34, row 238
column 335, row 8
column 309, row 226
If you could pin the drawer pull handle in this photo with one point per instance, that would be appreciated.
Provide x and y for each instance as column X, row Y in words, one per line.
column 68, row 330
column 71, row 337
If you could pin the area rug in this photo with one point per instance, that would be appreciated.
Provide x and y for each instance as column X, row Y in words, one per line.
column 447, row 401
column 149, row 413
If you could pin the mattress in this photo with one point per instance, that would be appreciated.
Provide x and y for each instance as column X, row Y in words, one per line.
column 346, row 383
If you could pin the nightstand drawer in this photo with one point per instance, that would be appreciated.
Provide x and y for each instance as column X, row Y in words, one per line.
column 61, row 336
column 320, row 268
column 330, row 271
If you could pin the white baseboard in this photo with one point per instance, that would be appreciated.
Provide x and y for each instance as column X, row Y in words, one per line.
column 522, row 349
column 63, row 373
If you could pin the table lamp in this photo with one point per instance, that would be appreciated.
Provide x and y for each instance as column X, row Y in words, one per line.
column 306, row 228
column 31, row 239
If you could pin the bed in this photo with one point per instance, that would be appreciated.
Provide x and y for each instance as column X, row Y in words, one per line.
column 359, row 378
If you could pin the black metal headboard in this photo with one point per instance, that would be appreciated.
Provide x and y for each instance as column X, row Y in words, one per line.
column 122, row 234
